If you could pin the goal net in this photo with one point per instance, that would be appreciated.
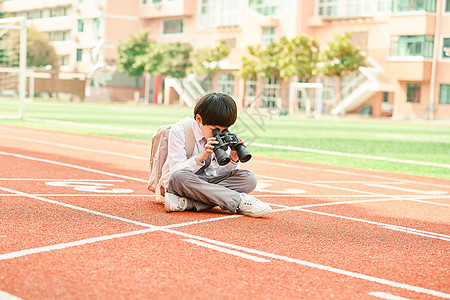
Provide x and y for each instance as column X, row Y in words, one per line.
column 13, row 72
column 306, row 98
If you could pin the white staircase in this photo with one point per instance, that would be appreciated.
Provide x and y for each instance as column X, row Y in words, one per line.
column 188, row 89
column 366, row 83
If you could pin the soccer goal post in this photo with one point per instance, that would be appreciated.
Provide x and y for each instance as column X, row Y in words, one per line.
column 13, row 67
column 307, row 96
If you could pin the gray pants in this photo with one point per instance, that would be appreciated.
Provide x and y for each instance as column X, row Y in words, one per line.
column 210, row 191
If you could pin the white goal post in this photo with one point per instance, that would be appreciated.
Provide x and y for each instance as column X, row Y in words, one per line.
column 18, row 24
column 303, row 87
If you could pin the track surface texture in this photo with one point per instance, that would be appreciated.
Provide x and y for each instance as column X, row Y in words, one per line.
column 78, row 223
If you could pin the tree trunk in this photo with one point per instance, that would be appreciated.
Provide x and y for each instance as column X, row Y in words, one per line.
column 136, row 90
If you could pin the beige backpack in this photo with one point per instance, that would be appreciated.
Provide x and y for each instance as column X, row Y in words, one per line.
column 158, row 154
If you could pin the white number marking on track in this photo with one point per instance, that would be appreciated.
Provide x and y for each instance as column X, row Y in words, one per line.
column 89, row 186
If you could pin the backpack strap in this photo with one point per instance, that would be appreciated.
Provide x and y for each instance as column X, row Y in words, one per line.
column 189, row 147
column 190, row 139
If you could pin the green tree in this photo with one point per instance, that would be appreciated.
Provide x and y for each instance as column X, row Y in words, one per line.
column 284, row 59
column 167, row 59
column 132, row 53
column 263, row 62
column 206, row 60
column 298, row 57
column 341, row 57
column 40, row 50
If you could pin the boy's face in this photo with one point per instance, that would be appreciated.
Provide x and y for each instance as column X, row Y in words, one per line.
column 207, row 129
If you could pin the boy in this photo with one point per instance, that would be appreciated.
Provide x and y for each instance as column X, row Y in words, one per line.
column 198, row 182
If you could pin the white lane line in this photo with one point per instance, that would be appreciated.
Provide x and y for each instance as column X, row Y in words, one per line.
column 76, row 136
column 21, row 253
column 343, row 189
column 75, row 147
column 81, row 195
column 384, row 225
column 74, row 207
column 429, row 202
column 397, row 198
column 355, row 155
column 71, row 166
column 316, row 184
column 226, row 250
column 6, row 296
column 266, row 162
column 385, row 186
column 353, row 182
column 387, row 296
column 77, row 124
column 419, row 232
column 57, row 179
column 317, row 266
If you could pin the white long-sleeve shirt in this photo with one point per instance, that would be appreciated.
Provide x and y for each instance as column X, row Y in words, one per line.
column 177, row 157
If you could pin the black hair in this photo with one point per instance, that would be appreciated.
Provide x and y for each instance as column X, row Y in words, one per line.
column 217, row 109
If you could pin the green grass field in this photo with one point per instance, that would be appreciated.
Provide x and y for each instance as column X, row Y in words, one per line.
column 420, row 148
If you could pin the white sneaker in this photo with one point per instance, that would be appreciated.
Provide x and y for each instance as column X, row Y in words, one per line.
column 174, row 202
column 252, row 207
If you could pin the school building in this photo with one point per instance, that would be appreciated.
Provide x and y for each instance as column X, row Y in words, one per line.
column 407, row 43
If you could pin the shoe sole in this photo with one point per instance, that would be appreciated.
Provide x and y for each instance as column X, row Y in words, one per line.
column 267, row 210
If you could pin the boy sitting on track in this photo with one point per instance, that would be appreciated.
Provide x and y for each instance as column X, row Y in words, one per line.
column 198, row 182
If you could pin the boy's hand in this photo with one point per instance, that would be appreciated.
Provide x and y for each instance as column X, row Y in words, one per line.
column 233, row 154
column 209, row 146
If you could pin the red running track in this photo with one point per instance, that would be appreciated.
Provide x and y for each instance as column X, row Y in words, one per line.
column 78, row 223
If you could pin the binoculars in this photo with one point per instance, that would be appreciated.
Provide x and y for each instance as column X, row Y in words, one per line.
column 227, row 139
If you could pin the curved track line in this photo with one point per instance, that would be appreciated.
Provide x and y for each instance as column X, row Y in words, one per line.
column 71, row 166
column 354, row 155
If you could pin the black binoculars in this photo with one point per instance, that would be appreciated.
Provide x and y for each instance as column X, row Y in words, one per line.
column 225, row 139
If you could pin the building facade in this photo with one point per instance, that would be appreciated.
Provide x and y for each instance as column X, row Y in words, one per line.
column 85, row 34
column 407, row 43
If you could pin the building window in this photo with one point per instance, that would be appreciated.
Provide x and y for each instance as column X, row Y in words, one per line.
column 415, row 5
column 447, row 6
column 359, row 8
column 271, row 93
column 353, row 8
column 268, row 36
column 96, row 24
column 446, row 48
column 217, row 13
column 79, row 54
column 206, row 83
column 225, row 83
column 384, row 6
column 412, row 45
column 58, row 11
column 413, row 92
column 64, row 60
column 58, row 36
column 266, row 7
column 80, row 25
column 444, row 94
column 250, row 93
column 172, row 26
column 327, row 8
